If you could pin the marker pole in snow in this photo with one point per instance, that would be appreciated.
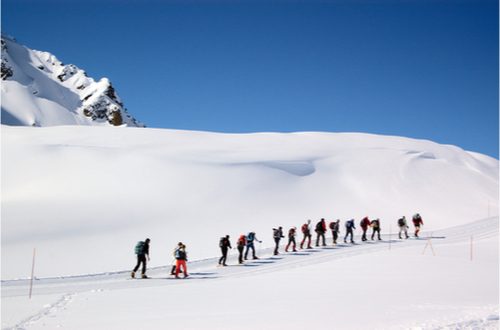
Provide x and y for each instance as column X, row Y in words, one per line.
column 432, row 248
column 32, row 271
column 471, row 250
column 425, row 247
column 390, row 236
column 429, row 243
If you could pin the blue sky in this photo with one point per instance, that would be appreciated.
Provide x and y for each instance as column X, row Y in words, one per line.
column 423, row 69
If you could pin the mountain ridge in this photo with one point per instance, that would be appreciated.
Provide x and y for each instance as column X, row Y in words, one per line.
column 40, row 90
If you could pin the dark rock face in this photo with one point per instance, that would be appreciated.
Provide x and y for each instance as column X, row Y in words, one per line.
column 6, row 69
column 67, row 72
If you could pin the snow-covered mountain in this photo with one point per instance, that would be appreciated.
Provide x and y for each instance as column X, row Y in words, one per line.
column 39, row 90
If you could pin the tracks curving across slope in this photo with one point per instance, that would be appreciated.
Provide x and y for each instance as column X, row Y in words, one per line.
column 206, row 269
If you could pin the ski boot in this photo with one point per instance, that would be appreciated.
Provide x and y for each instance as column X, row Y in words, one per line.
column 132, row 275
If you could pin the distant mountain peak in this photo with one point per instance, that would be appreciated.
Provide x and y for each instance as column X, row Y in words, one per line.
column 40, row 90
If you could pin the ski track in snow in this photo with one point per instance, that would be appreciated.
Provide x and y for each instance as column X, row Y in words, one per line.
column 203, row 270
column 47, row 311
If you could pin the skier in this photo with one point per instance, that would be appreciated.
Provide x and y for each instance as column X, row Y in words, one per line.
column 224, row 245
column 180, row 255
column 349, row 227
column 403, row 227
column 375, row 224
column 174, row 262
column 240, row 244
column 417, row 222
column 306, row 230
column 364, row 224
column 291, row 239
column 250, row 238
column 320, row 231
column 335, row 227
column 142, row 251
column 277, row 235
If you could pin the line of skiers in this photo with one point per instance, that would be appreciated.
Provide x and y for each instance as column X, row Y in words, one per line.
column 320, row 229
column 247, row 242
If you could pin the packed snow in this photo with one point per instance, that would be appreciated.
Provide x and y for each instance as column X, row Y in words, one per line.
column 83, row 196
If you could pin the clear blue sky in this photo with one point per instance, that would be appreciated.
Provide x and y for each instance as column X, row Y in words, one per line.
column 417, row 68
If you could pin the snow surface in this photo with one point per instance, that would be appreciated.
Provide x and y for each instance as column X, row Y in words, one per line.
column 83, row 196
column 375, row 285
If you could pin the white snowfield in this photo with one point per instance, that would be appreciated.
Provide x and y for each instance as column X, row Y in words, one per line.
column 83, row 196
column 436, row 282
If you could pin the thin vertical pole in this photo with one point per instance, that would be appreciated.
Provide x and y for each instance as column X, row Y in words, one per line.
column 32, row 271
column 429, row 243
column 390, row 236
column 425, row 247
column 471, row 249
column 432, row 248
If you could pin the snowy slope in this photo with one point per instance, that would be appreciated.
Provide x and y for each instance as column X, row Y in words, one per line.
column 39, row 90
column 84, row 195
column 373, row 285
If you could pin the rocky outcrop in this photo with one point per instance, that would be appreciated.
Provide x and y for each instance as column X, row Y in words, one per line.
column 41, row 75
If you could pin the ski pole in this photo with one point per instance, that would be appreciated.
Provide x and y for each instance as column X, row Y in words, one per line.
column 471, row 240
column 390, row 235
column 32, row 272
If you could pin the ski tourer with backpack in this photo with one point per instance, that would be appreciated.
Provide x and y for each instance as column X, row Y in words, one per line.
column 141, row 249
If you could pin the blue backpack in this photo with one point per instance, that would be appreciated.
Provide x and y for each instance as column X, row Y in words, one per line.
column 250, row 237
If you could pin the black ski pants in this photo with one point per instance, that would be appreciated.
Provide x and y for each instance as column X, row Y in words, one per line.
column 307, row 236
column 250, row 246
column 363, row 237
column 277, row 244
column 291, row 241
column 240, row 250
column 321, row 235
column 349, row 232
column 335, row 235
column 222, row 259
column 141, row 258
column 376, row 230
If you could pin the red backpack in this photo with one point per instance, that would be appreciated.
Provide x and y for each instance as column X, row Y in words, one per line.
column 305, row 228
column 242, row 240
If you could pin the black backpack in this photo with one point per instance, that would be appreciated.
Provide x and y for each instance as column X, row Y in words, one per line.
column 401, row 222
column 180, row 254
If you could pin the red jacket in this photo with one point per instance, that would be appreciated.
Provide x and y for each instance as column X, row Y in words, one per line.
column 417, row 221
column 365, row 223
